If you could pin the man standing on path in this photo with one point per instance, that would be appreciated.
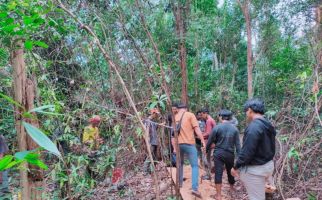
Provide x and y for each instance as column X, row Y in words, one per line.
column 210, row 124
column 255, row 161
column 188, row 125
column 151, row 126
column 202, row 126
column 225, row 136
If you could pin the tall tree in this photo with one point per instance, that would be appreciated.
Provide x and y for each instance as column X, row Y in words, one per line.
column 181, row 10
column 246, row 12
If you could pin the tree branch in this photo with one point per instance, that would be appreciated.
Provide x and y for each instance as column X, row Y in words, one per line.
column 120, row 79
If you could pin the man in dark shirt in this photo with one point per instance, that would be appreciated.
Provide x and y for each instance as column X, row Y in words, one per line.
column 225, row 136
column 254, row 163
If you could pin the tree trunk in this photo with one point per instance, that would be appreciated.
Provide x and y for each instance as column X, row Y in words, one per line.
column 180, row 21
column 319, row 34
column 245, row 10
column 196, row 67
column 19, row 85
column 35, row 175
column 24, row 94
column 249, row 51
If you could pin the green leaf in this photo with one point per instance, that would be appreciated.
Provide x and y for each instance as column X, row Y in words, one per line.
column 50, row 113
column 27, row 20
column 41, row 44
column 153, row 104
column 22, row 154
column 3, row 15
column 13, row 163
column 9, row 21
column 28, row 44
column 27, row 115
column 34, row 160
column 12, row 5
column 5, row 161
column 41, row 139
column 10, row 100
column 41, row 108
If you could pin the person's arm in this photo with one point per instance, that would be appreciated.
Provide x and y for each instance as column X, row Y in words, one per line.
column 237, row 142
column 212, row 124
column 249, row 147
column 200, row 136
column 207, row 132
column 173, row 143
column 211, row 140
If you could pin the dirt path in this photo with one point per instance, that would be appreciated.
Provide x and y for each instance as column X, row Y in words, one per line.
column 207, row 188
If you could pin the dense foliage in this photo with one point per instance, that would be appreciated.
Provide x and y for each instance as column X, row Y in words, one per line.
column 72, row 75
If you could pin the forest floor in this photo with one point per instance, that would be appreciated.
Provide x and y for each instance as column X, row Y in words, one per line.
column 139, row 186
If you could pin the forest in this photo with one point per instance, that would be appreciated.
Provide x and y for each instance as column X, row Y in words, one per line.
column 65, row 65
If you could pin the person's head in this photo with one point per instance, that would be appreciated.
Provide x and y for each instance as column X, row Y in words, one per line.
column 181, row 106
column 174, row 108
column 225, row 115
column 154, row 112
column 95, row 120
column 198, row 115
column 254, row 107
column 204, row 113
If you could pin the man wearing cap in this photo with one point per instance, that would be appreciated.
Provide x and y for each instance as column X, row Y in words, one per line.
column 151, row 126
column 187, row 124
column 91, row 135
column 225, row 136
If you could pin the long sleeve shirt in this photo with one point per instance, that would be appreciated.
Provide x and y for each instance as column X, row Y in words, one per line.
column 225, row 136
column 258, row 144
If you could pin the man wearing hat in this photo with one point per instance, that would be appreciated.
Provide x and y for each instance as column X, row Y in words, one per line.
column 91, row 135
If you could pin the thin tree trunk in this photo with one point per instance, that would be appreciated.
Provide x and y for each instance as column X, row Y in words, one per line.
column 215, row 61
column 234, row 76
column 178, row 12
column 35, row 175
column 245, row 9
column 120, row 79
column 24, row 90
column 196, row 67
column 19, row 85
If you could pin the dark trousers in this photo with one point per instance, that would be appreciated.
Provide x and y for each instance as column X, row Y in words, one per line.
column 223, row 158
column 147, row 163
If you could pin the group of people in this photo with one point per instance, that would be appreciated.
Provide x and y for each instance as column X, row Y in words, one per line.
column 200, row 135
column 216, row 144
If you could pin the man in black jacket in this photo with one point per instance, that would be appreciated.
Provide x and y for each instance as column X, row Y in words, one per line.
column 254, row 163
column 225, row 136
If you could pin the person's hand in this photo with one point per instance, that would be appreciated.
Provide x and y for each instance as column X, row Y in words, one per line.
column 235, row 173
column 203, row 149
